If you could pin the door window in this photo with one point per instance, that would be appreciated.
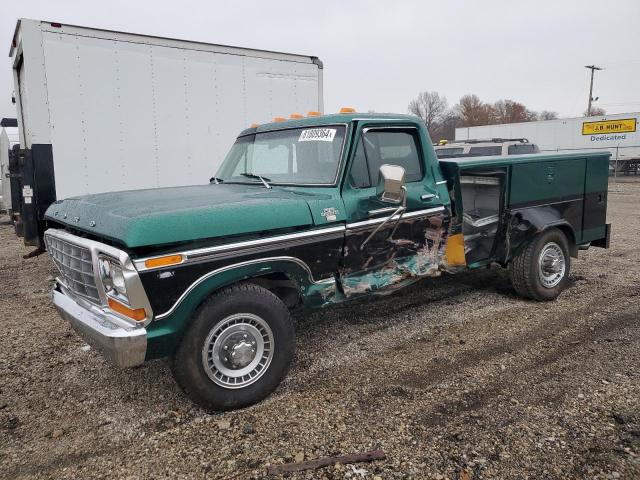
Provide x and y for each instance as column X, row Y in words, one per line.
column 379, row 147
column 359, row 176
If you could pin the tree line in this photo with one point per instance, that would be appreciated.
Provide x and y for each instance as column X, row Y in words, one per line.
column 470, row 111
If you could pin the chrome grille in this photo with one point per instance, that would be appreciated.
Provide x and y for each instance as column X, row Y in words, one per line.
column 75, row 266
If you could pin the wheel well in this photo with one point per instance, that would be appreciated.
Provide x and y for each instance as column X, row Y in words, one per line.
column 281, row 286
column 571, row 238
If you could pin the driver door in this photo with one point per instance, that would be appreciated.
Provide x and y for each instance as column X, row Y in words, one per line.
column 386, row 247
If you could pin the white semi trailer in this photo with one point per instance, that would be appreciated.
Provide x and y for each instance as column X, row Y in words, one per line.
column 101, row 110
column 616, row 133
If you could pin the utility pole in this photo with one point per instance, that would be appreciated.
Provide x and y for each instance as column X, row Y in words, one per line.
column 593, row 68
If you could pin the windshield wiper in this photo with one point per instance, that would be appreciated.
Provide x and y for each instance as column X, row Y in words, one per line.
column 215, row 180
column 262, row 179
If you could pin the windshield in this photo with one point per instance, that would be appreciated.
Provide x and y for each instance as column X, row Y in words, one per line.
column 293, row 156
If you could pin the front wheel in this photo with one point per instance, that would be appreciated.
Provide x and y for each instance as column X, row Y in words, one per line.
column 541, row 270
column 237, row 350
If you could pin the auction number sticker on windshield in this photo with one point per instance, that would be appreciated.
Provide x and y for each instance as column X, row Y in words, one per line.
column 317, row 135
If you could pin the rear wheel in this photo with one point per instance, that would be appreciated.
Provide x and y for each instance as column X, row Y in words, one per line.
column 541, row 270
column 237, row 350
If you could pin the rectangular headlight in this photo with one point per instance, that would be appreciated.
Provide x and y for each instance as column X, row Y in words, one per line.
column 112, row 277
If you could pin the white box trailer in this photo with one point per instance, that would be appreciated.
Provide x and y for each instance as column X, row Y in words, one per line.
column 616, row 133
column 8, row 138
column 101, row 110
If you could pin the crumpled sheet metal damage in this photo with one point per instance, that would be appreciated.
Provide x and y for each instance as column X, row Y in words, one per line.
column 410, row 262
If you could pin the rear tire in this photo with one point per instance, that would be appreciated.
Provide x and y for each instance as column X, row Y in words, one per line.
column 237, row 350
column 541, row 270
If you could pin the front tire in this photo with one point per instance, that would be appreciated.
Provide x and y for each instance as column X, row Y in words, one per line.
column 237, row 350
column 541, row 270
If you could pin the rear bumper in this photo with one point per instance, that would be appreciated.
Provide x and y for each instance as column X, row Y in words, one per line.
column 122, row 346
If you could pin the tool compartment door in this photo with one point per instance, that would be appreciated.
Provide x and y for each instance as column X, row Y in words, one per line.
column 549, row 192
column 595, row 199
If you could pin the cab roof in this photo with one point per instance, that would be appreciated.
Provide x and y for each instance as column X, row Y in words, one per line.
column 330, row 119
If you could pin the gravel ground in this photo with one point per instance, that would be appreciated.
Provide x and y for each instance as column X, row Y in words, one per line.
column 453, row 378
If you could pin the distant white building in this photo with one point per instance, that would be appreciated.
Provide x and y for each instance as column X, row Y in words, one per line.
column 617, row 133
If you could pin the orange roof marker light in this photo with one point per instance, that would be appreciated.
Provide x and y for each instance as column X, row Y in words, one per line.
column 313, row 114
column 347, row 110
column 279, row 119
column 296, row 115
column 254, row 125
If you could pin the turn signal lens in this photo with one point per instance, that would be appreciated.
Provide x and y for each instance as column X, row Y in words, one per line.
column 296, row 115
column 347, row 110
column 163, row 261
column 279, row 119
column 138, row 314
column 313, row 114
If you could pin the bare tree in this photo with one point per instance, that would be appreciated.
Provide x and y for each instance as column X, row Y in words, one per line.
column 446, row 128
column 510, row 111
column 470, row 111
column 431, row 108
column 473, row 111
column 547, row 115
column 595, row 111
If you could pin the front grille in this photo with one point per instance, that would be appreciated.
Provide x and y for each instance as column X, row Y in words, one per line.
column 75, row 266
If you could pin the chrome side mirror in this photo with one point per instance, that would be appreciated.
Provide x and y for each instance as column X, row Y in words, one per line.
column 391, row 184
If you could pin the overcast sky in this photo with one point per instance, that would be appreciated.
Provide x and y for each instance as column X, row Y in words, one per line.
column 378, row 55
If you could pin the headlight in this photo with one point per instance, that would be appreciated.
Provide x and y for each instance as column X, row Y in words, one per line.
column 112, row 277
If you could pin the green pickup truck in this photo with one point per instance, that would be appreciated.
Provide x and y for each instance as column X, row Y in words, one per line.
column 306, row 213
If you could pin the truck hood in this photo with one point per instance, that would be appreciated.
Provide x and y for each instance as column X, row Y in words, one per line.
column 169, row 215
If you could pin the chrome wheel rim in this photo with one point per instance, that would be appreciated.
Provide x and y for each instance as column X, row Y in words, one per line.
column 238, row 350
column 551, row 265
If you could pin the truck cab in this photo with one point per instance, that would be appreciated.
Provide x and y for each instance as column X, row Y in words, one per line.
column 306, row 213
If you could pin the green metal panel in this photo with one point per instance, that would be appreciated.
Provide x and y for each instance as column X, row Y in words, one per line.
column 503, row 161
column 547, row 181
column 168, row 215
column 597, row 179
column 595, row 203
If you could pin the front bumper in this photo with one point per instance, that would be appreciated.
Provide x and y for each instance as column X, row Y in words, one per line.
column 122, row 345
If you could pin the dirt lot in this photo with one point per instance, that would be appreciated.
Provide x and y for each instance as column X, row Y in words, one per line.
column 453, row 378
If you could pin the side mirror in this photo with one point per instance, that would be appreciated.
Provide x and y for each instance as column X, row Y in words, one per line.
column 391, row 184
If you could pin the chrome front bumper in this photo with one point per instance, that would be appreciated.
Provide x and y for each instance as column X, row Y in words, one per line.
column 124, row 346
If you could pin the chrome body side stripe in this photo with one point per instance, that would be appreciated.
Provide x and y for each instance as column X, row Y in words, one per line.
column 240, row 265
column 202, row 253
column 374, row 221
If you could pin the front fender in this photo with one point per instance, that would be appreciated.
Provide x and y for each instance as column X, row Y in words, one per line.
column 165, row 331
